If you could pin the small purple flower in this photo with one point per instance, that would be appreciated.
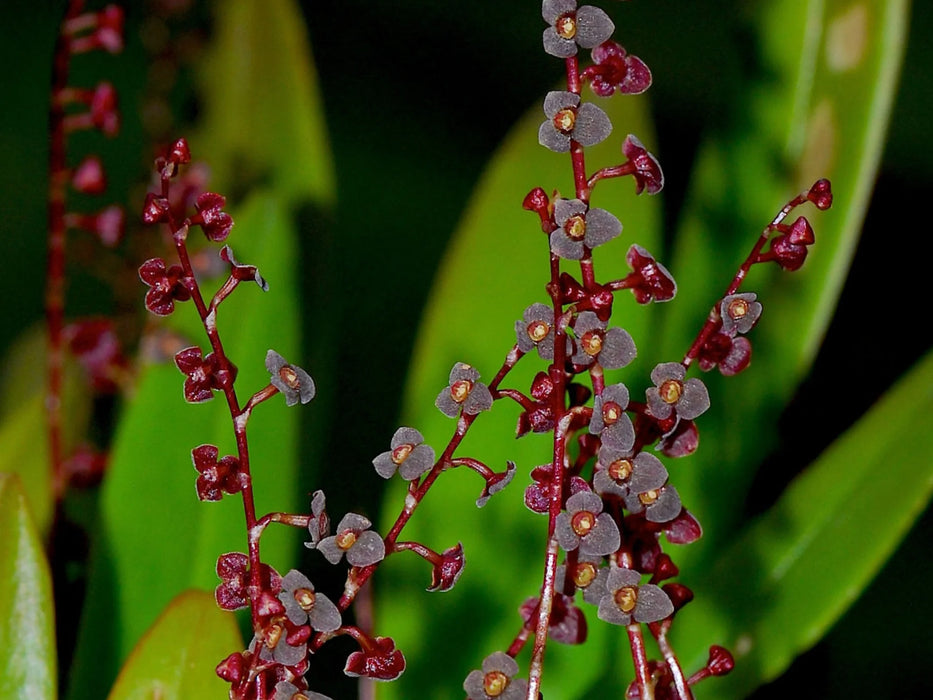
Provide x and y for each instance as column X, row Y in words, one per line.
column 650, row 279
column 613, row 348
column 739, row 313
column 496, row 681
column 579, row 226
column 659, row 502
column 671, row 394
column 645, row 167
column 536, row 330
column 567, row 119
column 204, row 374
column 587, row 575
column 570, row 27
column 303, row 605
column 583, row 524
column 618, row 473
column 463, row 391
column 625, row 600
column 294, row 383
column 409, row 456
column 610, row 421
column 354, row 538
column 319, row 524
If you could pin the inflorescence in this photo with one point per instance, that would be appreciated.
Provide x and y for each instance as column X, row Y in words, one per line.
column 608, row 500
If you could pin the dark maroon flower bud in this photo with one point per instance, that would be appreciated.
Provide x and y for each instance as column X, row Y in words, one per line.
column 683, row 529
column 166, row 286
column 731, row 355
column 215, row 223
column 614, row 70
column 95, row 345
column 647, row 170
column 104, row 112
column 217, row 477
column 445, row 573
column 233, row 571
column 720, row 661
column 650, row 280
column 683, row 440
column 538, row 202
column 821, row 194
column 204, row 374
column 179, row 153
column 233, row 668
column 679, row 594
column 88, row 177
column 542, row 388
column 570, row 289
column 789, row 249
column 664, row 569
column 567, row 624
column 380, row 660
column 155, row 209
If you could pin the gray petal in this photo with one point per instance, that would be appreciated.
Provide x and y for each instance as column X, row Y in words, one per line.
column 618, row 349
column 557, row 100
column 563, row 246
column 648, row 473
column 368, row 549
column 592, row 125
column 552, row 9
column 556, row 45
column 384, row 465
column 324, row 616
column 566, row 537
column 603, row 539
column 565, row 208
column 446, row 404
column 593, row 27
column 328, row 547
column 406, row 436
column 551, row 138
column 601, row 226
column 652, row 604
column 480, row 399
column 694, row 401
column 666, row 508
column 620, row 434
column 418, row 462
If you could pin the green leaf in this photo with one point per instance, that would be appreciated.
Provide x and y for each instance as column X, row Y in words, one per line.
column 156, row 538
column 175, row 660
column 24, row 441
column 792, row 574
column 819, row 108
column 263, row 119
column 497, row 265
column 27, row 612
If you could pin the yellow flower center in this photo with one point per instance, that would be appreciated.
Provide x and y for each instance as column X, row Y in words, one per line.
column 649, row 497
column 626, row 597
column 305, row 598
column 738, row 308
column 495, row 683
column 612, row 412
column 584, row 574
column 345, row 540
column 565, row 119
column 459, row 390
column 620, row 470
column 538, row 330
column 582, row 522
column 566, row 26
column 290, row 377
column 670, row 391
column 400, row 453
column 592, row 343
column 575, row 227
column 274, row 634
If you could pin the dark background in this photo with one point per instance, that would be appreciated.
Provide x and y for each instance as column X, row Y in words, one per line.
column 417, row 94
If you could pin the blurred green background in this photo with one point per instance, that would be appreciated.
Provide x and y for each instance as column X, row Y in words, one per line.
column 417, row 95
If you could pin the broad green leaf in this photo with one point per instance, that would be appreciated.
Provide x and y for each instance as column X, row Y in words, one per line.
column 780, row 586
column 819, row 108
column 155, row 538
column 497, row 265
column 24, row 441
column 27, row 612
column 263, row 119
column 175, row 659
